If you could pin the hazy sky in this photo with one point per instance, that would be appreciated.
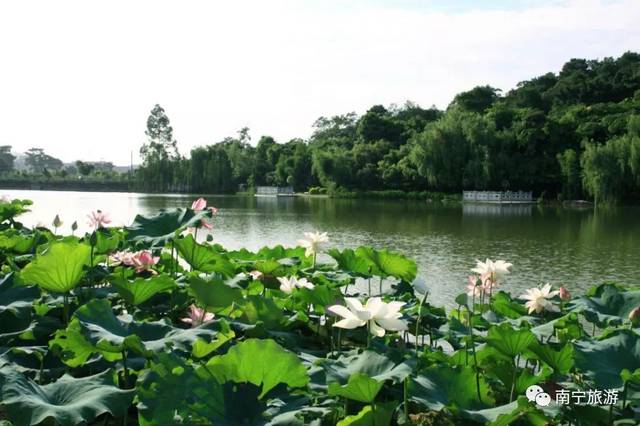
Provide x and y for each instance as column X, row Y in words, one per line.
column 78, row 78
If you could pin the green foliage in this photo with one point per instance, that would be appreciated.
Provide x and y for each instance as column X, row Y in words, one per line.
column 142, row 289
column 275, row 365
column 258, row 355
column 60, row 268
column 67, row 401
column 360, row 387
column 161, row 228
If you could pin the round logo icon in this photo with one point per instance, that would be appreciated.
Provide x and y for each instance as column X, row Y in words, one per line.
column 532, row 391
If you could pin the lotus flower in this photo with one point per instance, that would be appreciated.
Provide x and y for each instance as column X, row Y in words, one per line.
column 256, row 275
column 143, row 261
column 288, row 284
column 197, row 316
column 121, row 258
column 564, row 294
column 313, row 242
column 473, row 289
column 379, row 315
column 201, row 204
column 98, row 219
column 538, row 299
column 634, row 316
column 491, row 269
column 5, row 199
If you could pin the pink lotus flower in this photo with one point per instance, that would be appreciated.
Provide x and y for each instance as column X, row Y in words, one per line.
column 564, row 294
column 472, row 288
column 98, row 219
column 143, row 260
column 197, row 316
column 201, row 204
column 634, row 316
column 121, row 258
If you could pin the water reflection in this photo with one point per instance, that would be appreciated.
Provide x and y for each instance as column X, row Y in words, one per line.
column 576, row 247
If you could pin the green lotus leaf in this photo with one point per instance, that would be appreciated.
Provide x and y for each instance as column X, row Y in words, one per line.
column 258, row 308
column 142, row 289
column 520, row 411
column 60, row 268
column 319, row 296
column 171, row 392
column 214, row 294
column 561, row 361
column 161, row 228
column 8, row 211
column 389, row 263
column 15, row 299
column 107, row 240
column 261, row 363
column 606, row 304
column 503, row 304
column 204, row 258
column 67, row 402
column 509, row 341
column 368, row 416
column 17, row 241
column 109, row 333
column 442, row 386
column 71, row 346
column 604, row 360
column 349, row 261
column 370, row 363
column 265, row 253
column 360, row 387
column 201, row 348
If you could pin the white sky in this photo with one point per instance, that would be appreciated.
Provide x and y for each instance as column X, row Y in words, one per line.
column 78, row 78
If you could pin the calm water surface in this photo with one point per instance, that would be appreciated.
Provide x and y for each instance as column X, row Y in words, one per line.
column 576, row 248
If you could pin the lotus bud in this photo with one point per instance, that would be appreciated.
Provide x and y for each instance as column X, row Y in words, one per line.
column 74, row 226
column 634, row 316
column 57, row 223
column 564, row 294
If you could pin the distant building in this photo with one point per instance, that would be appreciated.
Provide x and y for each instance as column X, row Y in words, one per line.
column 274, row 191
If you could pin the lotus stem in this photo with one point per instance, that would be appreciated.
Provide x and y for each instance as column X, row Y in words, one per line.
column 193, row 249
column 418, row 320
column 380, row 287
column 513, row 379
column 406, row 398
column 65, row 309
column 475, row 358
column 126, row 370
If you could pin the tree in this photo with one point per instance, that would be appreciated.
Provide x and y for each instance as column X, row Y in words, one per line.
column 85, row 169
column 40, row 162
column 478, row 99
column 162, row 166
column 6, row 159
column 160, row 142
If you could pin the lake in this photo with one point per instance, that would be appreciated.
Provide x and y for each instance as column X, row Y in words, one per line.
column 573, row 247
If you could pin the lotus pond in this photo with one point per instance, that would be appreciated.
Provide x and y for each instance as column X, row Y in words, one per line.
column 145, row 325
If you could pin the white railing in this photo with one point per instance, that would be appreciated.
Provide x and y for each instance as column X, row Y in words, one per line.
column 498, row 196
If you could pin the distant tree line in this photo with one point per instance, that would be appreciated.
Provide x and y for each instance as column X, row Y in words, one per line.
column 575, row 134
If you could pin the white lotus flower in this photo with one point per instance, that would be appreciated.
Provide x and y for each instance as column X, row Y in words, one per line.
column 379, row 315
column 313, row 242
column 288, row 284
column 537, row 299
column 492, row 269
